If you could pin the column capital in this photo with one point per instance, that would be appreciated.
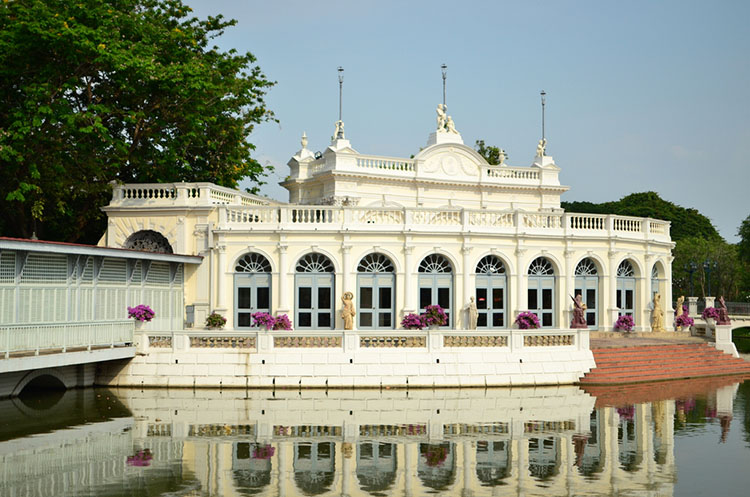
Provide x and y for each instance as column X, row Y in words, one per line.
column 346, row 248
column 466, row 250
column 408, row 249
column 282, row 247
column 222, row 249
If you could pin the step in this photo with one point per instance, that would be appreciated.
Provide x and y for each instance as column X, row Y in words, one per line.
column 657, row 359
column 656, row 372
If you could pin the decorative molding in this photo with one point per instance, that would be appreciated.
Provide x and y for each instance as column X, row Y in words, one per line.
column 474, row 341
column 306, row 342
column 203, row 342
column 392, row 341
column 160, row 341
column 547, row 340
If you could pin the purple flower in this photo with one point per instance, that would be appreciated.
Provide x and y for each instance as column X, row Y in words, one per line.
column 434, row 315
column 527, row 320
column 282, row 322
column 625, row 323
column 684, row 321
column 710, row 313
column 141, row 313
column 263, row 319
column 412, row 322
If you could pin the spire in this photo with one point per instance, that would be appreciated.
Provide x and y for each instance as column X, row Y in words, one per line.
column 339, row 133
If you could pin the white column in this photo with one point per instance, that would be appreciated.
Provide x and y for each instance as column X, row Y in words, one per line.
column 666, row 301
column 221, row 305
column 612, row 308
column 284, row 307
column 409, row 286
column 521, row 297
column 346, row 270
column 468, row 288
column 570, row 288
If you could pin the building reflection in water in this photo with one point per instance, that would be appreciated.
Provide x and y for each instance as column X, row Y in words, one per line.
column 470, row 443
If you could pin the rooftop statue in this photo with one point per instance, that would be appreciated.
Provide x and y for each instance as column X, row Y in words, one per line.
column 502, row 157
column 541, row 147
column 441, row 117
column 450, row 126
column 303, row 141
column 339, row 133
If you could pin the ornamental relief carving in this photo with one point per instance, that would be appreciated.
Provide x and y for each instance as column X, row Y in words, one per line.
column 451, row 164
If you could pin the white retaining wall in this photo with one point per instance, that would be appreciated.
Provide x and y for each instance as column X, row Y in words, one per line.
column 441, row 358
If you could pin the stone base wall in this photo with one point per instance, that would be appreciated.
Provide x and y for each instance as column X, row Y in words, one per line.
column 354, row 360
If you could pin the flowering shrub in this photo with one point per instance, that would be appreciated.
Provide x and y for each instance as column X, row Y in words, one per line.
column 215, row 320
column 434, row 315
column 625, row 323
column 263, row 452
column 710, row 313
column 627, row 412
column 282, row 322
column 527, row 320
column 684, row 321
column 412, row 322
column 263, row 319
column 141, row 313
column 140, row 458
column 435, row 455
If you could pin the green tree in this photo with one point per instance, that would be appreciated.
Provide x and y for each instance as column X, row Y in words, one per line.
column 700, row 254
column 95, row 91
column 685, row 223
column 491, row 154
column 744, row 245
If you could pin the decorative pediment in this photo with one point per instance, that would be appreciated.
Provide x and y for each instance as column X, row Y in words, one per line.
column 450, row 159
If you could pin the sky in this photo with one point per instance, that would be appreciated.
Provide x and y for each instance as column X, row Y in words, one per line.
column 641, row 95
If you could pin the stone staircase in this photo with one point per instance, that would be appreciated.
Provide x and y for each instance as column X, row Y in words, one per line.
column 620, row 365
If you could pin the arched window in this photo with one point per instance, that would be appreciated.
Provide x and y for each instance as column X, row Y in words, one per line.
column 376, row 466
column 148, row 241
column 251, row 474
column 252, row 288
column 626, row 288
column 541, row 291
column 376, row 288
column 543, row 459
column 314, row 290
column 493, row 462
column 490, row 292
column 314, row 466
column 587, row 286
column 436, row 284
column 654, row 282
column 436, row 466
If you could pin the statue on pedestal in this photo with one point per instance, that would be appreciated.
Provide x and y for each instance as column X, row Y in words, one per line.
column 579, row 313
column 449, row 125
column 678, row 307
column 441, row 117
column 541, row 147
column 657, row 314
column 723, row 312
column 473, row 314
column 347, row 311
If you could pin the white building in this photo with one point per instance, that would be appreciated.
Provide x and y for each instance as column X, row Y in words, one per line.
column 400, row 234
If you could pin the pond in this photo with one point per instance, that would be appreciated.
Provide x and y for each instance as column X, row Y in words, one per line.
column 689, row 437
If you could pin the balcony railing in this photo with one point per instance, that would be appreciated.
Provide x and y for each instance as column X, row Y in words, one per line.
column 61, row 337
column 181, row 194
column 296, row 217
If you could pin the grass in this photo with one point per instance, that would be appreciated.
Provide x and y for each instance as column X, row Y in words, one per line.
column 741, row 339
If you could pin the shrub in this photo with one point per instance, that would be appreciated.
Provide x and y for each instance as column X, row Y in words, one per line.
column 412, row 322
column 527, row 320
column 710, row 312
column 141, row 313
column 282, row 322
column 684, row 321
column 625, row 323
column 215, row 320
column 263, row 319
column 434, row 315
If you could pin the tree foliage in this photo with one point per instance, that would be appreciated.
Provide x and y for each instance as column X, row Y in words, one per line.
column 491, row 154
column 93, row 91
column 744, row 245
column 715, row 258
column 686, row 223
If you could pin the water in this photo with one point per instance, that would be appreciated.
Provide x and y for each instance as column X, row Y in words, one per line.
column 680, row 438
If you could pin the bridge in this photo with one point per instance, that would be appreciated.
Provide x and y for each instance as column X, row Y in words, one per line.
column 63, row 308
column 739, row 312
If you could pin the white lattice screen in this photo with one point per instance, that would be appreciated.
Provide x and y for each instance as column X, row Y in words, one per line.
column 46, row 294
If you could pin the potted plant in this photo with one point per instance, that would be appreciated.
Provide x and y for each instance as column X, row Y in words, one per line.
column 684, row 322
column 263, row 451
column 263, row 320
column 412, row 322
column 282, row 322
column 527, row 320
column 434, row 316
column 624, row 323
column 711, row 315
column 215, row 321
column 141, row 314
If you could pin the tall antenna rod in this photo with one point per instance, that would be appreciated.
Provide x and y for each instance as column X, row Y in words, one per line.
column 341, row 90
column 444, row 69
column 544, row 101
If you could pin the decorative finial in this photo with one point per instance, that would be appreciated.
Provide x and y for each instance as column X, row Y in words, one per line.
column 303, row 141
column 544, row 101
column 340, row 123
column 444, row 70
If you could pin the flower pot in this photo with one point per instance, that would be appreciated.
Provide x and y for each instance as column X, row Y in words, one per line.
column 711, row 322
column 433, row 327
column 139, row 325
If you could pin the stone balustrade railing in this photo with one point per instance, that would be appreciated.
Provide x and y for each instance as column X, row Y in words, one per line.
column 180, row 194
column 62, row 337
column 302, row 217
column 508, row 340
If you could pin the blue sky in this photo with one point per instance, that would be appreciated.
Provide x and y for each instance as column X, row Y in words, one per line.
column 641, row 95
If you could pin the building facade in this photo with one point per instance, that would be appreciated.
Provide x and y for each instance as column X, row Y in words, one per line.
column 440, row 228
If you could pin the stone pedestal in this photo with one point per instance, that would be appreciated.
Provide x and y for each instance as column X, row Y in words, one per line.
column 724, row 339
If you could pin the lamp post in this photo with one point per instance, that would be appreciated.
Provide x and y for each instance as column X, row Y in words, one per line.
column 708, row 266
column 691, row 268
column 444, row 70
column 341, row 91
column 544, row 101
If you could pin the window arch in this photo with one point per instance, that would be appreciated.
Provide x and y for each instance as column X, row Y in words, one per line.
column 541, row 291
column 376, row 285
column 587, row 286
column 376, row 466
column 490, row 292
column 148, row 241
column 314, row 290
column 626, row 288
column 435, row 283
column 252, row 288
column 654, row 281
